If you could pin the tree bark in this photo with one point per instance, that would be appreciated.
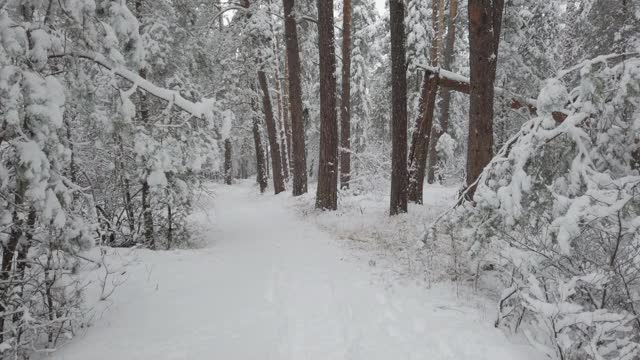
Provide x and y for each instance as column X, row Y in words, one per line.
column 299, row 160
column 398, row 198
column 327, row 192
column 447, row 57
column 261, row 166
column 276, row 164
column 170, row 227
column 228, row 170
column 281, row 120
column 286, row 119
column 126, row 189
column 426, row 109
column 485, row 18
column 147, row 215
column 345, row 104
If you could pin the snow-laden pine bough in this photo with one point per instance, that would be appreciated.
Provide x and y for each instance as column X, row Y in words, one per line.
column 558, row 210
column 203, row 109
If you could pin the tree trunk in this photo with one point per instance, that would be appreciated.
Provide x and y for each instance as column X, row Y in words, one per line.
column 398, row 199
column 345, row 104
column 147, row 215
column 295, row 101
column 276, row 164
column 327, row 192
column 426, row 109
column 261, row 167
column 228, row 164
column 285, row 111
column 447, row 57
column 281, row 120
column 485, row 18
column 126, row 189
column 170, row 227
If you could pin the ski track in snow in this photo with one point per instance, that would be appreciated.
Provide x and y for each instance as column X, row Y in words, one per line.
column 273, row 286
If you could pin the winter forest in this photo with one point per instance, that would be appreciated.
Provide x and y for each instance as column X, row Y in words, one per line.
column 320, row 179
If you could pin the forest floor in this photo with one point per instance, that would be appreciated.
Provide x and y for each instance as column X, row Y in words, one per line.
column 273, row 284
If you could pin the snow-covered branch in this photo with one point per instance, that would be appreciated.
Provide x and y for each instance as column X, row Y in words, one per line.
column 201, row 109
column 459, row 83
column 598, row 59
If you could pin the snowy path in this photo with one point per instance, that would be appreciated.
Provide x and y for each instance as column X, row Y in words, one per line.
column 273, row 286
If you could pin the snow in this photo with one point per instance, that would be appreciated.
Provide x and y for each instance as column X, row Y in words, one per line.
column 270, row 284
column 202, row 109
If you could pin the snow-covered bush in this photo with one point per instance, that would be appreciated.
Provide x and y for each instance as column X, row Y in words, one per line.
column 77, row 143
column 559, row 211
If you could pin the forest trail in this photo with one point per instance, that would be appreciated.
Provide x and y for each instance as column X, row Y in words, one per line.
column 271, row 285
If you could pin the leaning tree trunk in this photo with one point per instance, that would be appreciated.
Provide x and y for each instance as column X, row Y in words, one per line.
column 276, row 164
column 298, row 159
column 345, row 104
column 327, row 192
column 228, row 167
column 426, row 109
column 261, row 166
column 485, row 18
column 438, row 131
column 398, row 198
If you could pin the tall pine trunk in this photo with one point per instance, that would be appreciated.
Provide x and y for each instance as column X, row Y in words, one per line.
column 126, row 189
column 447, row 58
column 281, row 114
column 276, row 164
column 422, row 131
column 261, row 166
column 285, row 111
column 345, row 103
column 298, row 156
column 147, row 215
column 327, row 192
column 398, row 198
column 228, row 167
column 485, row 18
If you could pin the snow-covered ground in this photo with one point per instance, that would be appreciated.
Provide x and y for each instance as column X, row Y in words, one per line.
column 272, row 284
